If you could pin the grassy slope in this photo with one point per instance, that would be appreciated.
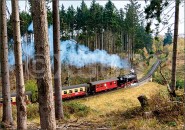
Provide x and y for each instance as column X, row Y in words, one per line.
column 121, row 99
column 118, row 109
column 114, row 109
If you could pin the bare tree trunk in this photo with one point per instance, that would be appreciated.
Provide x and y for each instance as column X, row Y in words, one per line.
column 96, row 41
column 132, row 50
column 102, row 39
column 43, row 66
column 57, row 62
column 128, row 47
column 88, row 42
column 174, row 57
column 7, row 109
column 20, row 88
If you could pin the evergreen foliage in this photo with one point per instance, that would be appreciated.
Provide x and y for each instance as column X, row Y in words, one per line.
column 98, row 27
column 154, row 11
column 168, row 38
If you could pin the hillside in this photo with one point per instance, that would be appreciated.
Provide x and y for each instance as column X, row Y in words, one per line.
column 118, row 109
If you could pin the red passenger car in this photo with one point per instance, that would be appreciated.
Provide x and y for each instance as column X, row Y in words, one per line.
column 74, row 91
column 103, row 85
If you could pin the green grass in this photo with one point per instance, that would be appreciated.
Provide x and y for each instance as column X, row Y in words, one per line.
column 31, row 85
column 76, row 109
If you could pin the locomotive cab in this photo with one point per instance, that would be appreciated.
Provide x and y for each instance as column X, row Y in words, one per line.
column 127, row 80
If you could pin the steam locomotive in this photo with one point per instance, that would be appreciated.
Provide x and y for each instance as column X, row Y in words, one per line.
column 90, row 88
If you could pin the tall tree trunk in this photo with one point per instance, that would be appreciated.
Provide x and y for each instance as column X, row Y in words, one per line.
column 102, row 39
column 57, row 62
column 20, row 88
column 43, row 66
column 121, row 47
column 88, row 42
column 132, row 50
column 174, row 57
column 125, row 43
column 128, row 47
column 7, row 109
column 96, row 40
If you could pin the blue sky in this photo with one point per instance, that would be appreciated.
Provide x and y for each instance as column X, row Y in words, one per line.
column 121, row 4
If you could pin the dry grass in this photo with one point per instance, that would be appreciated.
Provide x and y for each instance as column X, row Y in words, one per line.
column 120, row 109
column 121, row 99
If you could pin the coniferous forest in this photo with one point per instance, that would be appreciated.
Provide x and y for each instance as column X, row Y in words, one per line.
column 98, row 27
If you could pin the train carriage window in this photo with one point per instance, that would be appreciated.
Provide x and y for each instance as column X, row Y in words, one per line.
column 114, row 82
column 70, row 91
column 81, row 89
column 13, row 99
column 76, row 90
column 1, row 100
column 65, row 92
column 27, row 98
column 110, row 83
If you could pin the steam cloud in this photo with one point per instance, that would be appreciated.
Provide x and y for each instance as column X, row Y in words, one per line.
column 75, row 54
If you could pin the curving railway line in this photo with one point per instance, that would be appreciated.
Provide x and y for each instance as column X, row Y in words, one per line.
column 116, row 83
column 141, row 81
column 148, row 76
column 97, row 87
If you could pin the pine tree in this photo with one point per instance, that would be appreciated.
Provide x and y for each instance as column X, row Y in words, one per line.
column 154, row 11
column 43, row 66
column 57, row 62
column 131, row 25
column 20, row 88
column 7, row 109
column 168, row 38
column 174, row 56
column 71, row 20
column 63, row 23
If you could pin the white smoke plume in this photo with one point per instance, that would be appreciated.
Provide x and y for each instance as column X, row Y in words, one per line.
column 75, row 54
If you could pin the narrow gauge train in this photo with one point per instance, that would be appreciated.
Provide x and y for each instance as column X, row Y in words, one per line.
column 90, row 88
column 13, row 98
column 98, row 86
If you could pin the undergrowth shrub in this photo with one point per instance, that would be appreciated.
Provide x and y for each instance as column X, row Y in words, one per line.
column 33, row 110
column 179, row 84
column 31, row 85
column 166, row 110
column 79, row 110
column 158, row 78
column 161, row 112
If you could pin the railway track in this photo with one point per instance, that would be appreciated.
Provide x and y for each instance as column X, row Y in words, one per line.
column 144, row 79
column 148, row 76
